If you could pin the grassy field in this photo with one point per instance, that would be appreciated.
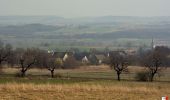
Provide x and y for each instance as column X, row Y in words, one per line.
column 93, row 90
column 86, row 72
column 93, row 82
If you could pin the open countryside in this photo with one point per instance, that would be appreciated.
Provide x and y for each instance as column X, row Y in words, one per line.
column 130, row 69
column 84, row 50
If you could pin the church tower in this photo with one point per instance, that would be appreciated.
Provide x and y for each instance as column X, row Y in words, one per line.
column 152, row 44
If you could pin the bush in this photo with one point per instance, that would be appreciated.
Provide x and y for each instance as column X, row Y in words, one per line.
column 142, row 76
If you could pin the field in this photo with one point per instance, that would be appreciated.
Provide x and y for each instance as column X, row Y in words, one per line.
column 98, row 90
column 93, row 82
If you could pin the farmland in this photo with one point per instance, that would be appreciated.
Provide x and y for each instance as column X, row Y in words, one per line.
column 104, row 90
column 87, row 82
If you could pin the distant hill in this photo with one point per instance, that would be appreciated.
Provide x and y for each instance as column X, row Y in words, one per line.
column 88, row 31
column 26, row 29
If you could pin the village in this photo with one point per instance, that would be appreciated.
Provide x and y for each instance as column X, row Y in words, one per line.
column 99, row 57
column 90, row 58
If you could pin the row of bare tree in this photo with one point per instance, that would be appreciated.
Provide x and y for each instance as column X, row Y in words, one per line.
column 27, row 58
column 154, row 60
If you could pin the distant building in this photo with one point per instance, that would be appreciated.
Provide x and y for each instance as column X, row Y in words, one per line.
column 62, row 55
column 51, row 51
column 158, row 42
column 85, row 60
column 84, row 57
column 120, row 52
column 100, row 58
column 65, row 57
column 131, row 51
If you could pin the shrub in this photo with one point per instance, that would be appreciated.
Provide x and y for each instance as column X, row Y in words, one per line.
column 142, row 76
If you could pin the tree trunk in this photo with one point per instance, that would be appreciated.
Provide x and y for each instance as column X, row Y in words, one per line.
column 118, row 76
column 23, row 73
column 151, row 77
column 52, row 73
column 0, row 66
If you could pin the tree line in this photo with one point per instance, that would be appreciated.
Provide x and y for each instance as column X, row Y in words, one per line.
column 154, row 60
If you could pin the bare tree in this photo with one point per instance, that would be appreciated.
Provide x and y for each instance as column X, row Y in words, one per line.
column 26, row 59
column 53, row 64
column 118, row 62
column 5, row 52
column 154, row 61
column 50, row 62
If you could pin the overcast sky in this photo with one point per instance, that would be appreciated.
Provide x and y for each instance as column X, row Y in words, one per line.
column 82, row 8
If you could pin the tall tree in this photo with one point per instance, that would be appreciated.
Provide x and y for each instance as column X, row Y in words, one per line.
column 26, row 59
column 50, row 62
column 118, row 62
column 53, row 64
column 154, row 61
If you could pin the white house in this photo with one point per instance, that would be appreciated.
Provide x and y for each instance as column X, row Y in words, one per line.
column 85, row 60
column 65, row 57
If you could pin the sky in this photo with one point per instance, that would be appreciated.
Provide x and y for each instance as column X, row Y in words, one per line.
column 84, row 8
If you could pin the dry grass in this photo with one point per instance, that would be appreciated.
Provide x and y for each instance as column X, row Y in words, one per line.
column 93, row 91
column 85, row 90
column 81, row 69
column 101, row 71
column 101, row 68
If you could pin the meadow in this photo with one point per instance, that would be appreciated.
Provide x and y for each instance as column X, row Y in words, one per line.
column 87, row 82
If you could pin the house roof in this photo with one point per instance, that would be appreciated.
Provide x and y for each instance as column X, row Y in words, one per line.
column 122, row 53
column 80, row 55
column 59, row 54
column 100, row 57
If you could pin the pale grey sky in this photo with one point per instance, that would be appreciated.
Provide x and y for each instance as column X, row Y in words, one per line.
column 81, row 8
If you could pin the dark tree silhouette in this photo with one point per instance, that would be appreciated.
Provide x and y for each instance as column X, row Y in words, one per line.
column 26, row 59
column 154, row 61
column 50, row 62
column 118, row 62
